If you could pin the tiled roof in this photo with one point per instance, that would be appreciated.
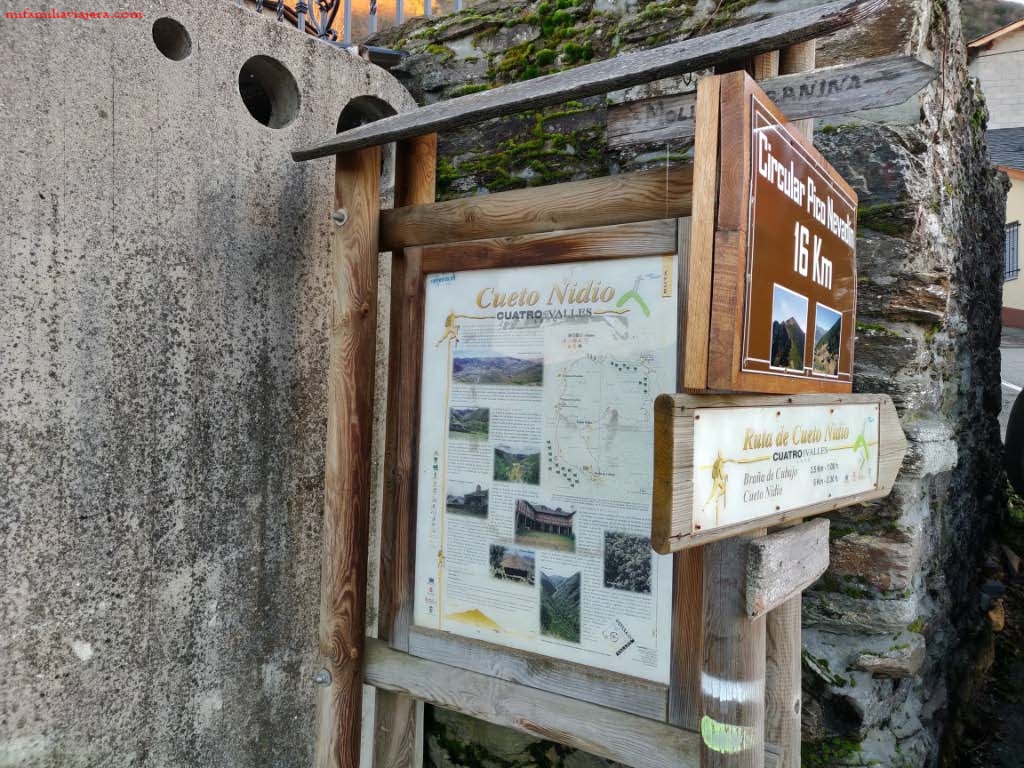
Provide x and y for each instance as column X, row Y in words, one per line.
column 1006, row 147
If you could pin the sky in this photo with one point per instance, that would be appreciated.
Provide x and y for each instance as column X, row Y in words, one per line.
column 786, row 305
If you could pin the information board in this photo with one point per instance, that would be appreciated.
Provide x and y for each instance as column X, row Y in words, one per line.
column 790, row 277
column 756, row 462
column 536, row 456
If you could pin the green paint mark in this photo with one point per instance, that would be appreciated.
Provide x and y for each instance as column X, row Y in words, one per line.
column 724, row 738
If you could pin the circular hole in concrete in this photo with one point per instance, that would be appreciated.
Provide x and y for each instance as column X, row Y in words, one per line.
column 269, row 91
column 172, row 39
column 367, row 109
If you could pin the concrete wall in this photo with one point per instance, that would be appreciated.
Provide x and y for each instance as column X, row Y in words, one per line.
column 1001, row 69
column 162, row 354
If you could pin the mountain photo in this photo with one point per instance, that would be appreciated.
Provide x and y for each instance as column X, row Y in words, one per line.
column 469, row 422
column 828, row 325
column 789, row 321
column 560, row 606
column 512, row 467
column 474, row 368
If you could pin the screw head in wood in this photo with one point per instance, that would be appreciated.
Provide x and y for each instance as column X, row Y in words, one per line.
column 340, row 217
column 322, row 677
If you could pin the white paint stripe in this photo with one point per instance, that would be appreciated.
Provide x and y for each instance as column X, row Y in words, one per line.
column 739, row 691
column 1012, row 387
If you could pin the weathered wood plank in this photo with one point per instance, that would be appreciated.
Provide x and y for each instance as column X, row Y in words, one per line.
column 783, row 705
column 782, row 683
column 398, row 718
column 801, row 58
column 732, row 681
column 700, row 255
column 626, row 694
column 347, row 489
column 819, row 93
column 783, row 564
column 672, row 504
column 647, row 238
column 628, row 739
column 601, row 77
column 687, row 638
column 642, row 196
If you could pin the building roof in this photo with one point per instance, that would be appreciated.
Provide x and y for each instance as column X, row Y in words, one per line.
column 540, row 509
column 1006, row 147
column 991, row 37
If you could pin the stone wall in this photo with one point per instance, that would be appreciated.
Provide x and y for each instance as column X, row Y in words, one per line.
column 888, row 630
column 163, row 342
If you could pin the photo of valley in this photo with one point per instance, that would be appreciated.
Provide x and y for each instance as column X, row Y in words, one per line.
column 560, row 606
column 828, row 327
column 513, row 564
column 483, row 368
column 627, row 562
column 464, row 499
column 789, row 329
column 472, row 423
column 517, row 466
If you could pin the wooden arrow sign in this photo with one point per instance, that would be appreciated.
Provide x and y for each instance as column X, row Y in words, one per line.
column 724, row 465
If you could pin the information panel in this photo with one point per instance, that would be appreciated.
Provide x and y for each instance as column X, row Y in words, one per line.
column 802, row 285
column 753, row 462
column 535, row 459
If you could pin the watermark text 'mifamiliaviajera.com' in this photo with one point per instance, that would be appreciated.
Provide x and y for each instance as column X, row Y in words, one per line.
column 53, row 13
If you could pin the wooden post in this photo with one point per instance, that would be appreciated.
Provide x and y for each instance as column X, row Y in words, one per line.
column 399, row 718
column 732, row 678
column 353, row 330
column 783, row 687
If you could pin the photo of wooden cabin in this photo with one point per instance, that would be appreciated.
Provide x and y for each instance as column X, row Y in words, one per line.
column 472, row 503
column 542, row 526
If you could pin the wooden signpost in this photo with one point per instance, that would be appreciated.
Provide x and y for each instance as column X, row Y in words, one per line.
column 537, row 478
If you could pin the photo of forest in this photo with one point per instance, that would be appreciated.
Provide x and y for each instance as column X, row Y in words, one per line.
column 627, row 562
column 828, row 325
column 469, row 422
column 511, row 466
column 560, row 606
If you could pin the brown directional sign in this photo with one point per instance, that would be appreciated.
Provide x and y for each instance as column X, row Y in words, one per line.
column 784, row 296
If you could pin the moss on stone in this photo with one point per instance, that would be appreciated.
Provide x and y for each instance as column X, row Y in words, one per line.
column 828, row 753
column 886, row 218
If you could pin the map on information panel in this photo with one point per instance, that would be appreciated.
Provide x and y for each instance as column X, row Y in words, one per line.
column 535, row 459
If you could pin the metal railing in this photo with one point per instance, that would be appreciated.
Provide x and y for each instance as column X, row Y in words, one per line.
column 358, row 18
column 1011, row 260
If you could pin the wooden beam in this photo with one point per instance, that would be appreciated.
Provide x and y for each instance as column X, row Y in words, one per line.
column 732, row 681
column 644, row 238
column 398, row 718
column 801, row 57
column 626, row 694
column 783, row 702
column 702, row 238
column 822, row 92
column 628, row 739
column 601, row 77
column 672, row 505
column 659, row 194
column 783, row 564
column 350, row 389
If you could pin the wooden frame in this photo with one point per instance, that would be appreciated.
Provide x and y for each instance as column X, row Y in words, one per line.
column 547, row 226
column 710, row 612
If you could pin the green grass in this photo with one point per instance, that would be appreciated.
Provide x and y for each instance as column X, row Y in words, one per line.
column 546, row 540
